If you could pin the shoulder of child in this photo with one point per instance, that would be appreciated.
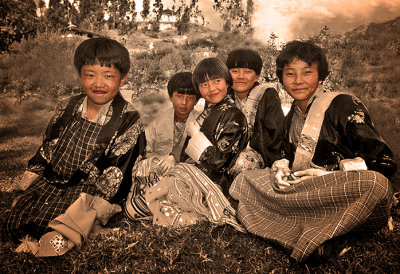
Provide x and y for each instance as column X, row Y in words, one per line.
column 347, row 100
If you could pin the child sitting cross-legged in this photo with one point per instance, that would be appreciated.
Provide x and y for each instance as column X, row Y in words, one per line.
column 165, row 137
column 193, row 192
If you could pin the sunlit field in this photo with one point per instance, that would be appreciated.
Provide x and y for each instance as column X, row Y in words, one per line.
column 28, row 100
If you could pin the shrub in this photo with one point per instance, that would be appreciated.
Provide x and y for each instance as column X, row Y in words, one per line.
column 3, row 73
column 43, row 65
column 6, row 106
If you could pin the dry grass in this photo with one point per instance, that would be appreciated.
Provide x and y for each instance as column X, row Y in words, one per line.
column 141, row 247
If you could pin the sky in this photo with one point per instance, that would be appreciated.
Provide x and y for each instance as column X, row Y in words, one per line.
column 292, row 19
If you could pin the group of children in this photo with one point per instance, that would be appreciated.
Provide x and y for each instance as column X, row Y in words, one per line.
column 300, row 180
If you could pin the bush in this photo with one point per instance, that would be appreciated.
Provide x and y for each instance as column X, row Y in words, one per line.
column 43, row 66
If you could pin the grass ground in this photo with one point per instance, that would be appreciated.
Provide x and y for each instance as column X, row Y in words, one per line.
column 141, row 247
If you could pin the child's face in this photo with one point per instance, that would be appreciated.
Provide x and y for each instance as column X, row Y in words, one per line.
column 183, row 104
column 214, row 91
column 244, row 79
column 100, row 84
column 300, row 80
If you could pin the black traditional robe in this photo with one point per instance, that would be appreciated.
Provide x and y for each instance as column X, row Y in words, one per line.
column 266, row 137
column 225, row 127
column 304, row 215
column 347, row 132
column 78, row 155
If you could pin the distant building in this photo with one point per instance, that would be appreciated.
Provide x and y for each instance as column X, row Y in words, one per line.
column 167, row 21
column 168, row 16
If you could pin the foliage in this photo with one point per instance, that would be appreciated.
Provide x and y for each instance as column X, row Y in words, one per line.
column 121, row 15
column 184, row 13
column 36, row 66
column 364, row 61
column 91, row 14
column 146, row 9
column 18, row 20
column 57, row 15
column 233, row 15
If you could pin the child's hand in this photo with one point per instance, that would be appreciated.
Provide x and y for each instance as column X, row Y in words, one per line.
column 192, row 128
column 300, row 176
column 166, row 163
column 282, row 172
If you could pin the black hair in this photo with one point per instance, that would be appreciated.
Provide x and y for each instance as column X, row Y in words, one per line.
column 104, row 52
column 305, row 51
column 244, row 58
column 210, row 69
column 182, row 83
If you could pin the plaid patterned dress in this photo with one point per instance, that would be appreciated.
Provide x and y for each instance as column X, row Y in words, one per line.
column 78, row 156
column 303, row 216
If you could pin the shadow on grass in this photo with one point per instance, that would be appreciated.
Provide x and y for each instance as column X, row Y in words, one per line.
column 11, row 159
column 24, row 127
column 141, row 247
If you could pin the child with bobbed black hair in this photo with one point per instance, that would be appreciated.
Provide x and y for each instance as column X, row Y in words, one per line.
column 165, row 138
column 220, row 132
column 83, row 168
column 164, row 134
column 104, row 52
column 194, row 190
column 260, row 103
column 333, row 178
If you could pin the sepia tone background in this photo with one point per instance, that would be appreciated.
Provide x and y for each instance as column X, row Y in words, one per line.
column 362, row 41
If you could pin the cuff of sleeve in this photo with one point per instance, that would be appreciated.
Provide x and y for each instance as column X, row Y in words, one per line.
column 196, row 146
column 353, row 164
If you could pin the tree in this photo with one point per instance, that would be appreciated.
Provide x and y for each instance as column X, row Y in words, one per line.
column 91, row 14
column 146, row 10
column 18, row 20
column 249, row 15
column 232, row 14
column 158, row 10
column 121, row 15
column 57, row 15
column 41, row 7
column 184, row 13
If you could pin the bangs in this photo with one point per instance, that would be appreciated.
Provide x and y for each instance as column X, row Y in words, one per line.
column 242, row 61
column 210, row 69
column 105, row 57
column 244, row 58
column 104, row 52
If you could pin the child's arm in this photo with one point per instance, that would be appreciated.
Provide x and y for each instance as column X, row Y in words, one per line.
column 268, row 127
column 38, row 162
column 230, row 139
column 351, row 119
column 113, row 175
column 43, row 155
